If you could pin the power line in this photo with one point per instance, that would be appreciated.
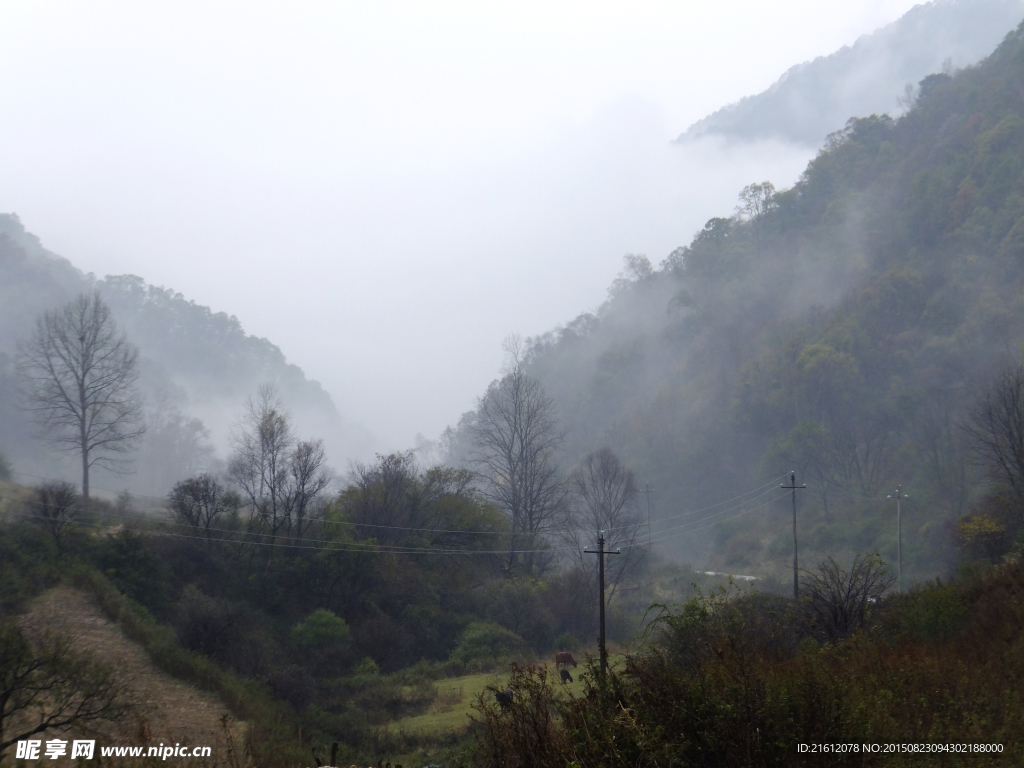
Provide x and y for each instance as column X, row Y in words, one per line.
column 358, row 547
column 246, row 533
column 373, row 549
column 379, row 526
column 769, row 484
column 720, row 512
column 431, row 550
column 733, row 517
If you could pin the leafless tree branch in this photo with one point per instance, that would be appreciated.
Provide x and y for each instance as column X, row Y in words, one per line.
column 79, row 374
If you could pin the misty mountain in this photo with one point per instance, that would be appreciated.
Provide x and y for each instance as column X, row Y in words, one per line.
column 817, row 97
column 198, row 366
column 843, row 328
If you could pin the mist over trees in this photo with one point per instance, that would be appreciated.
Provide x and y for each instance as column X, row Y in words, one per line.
column 845, row 328
column 877, row 74
column 194, row 367
column 283, row 479
column 515, row 438
column 605, row 504
column 862, row 329
column 79, row 374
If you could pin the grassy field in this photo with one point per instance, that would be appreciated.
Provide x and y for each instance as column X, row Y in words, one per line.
column 449, row 714
column 455, row 699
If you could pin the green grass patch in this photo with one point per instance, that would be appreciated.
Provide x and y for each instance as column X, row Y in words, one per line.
column 450, row 711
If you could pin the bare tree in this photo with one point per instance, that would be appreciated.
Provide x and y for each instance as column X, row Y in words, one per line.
column 838, row 600
column 309, row 481
column 201, row 503
column 605, row 500
column 263, row 443
column 996, row 429
column 515, row 438
column 79, row 375
column 858, row 453
column 281, row 478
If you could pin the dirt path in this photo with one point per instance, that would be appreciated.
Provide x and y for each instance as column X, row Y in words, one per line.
column 167, row 710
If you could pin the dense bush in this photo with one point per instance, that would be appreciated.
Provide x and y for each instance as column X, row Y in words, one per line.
column 487, row 642
column 742, row 682
column 130, row 562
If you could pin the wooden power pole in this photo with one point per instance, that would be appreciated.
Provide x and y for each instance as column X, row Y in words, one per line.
column 796, row 568
column 899, row 496
column 601, row 552
column 650, row 541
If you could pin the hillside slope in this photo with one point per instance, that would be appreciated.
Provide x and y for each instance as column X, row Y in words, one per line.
column 165, row 710
column 843, row 328
column 197, row 368
column 817, row 97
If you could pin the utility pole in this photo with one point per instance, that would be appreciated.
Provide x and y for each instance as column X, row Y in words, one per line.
column 796, row 569
column 601, row 552
column 899, row 496
column 650, row 541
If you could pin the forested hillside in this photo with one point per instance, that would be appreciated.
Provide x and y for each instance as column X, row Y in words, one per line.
column 816, row 97
column 844, row 328
column 863, row 329
column 197, row 368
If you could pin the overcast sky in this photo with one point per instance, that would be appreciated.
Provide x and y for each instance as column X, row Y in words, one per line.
column 386, row 190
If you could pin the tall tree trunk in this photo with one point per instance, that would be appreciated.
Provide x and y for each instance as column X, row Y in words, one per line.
column 85, row 473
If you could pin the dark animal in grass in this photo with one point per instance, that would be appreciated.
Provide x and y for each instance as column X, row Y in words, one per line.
column 564, row 657
column 504, row 699
column 566, row 677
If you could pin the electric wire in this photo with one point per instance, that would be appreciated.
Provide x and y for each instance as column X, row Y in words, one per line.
column 381, row 549
column 716, row 514
column 717, row 522
column 662, row 535
column 378, row 526
column 769, row 484
column 368, row 548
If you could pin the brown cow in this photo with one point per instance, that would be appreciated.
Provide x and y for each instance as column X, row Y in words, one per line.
column 564, row 657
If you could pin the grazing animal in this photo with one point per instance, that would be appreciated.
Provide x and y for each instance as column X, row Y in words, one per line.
column 564, row 657
column 504, row 699
column 566, row 677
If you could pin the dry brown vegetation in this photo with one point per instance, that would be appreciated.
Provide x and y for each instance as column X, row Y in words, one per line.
column 164, row 709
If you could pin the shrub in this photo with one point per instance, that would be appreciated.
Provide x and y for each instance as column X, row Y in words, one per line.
column 320, row 631
column 324, row 639
column 567, row 642
column 526, row 731
column 128, row 560
column 487, row 642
